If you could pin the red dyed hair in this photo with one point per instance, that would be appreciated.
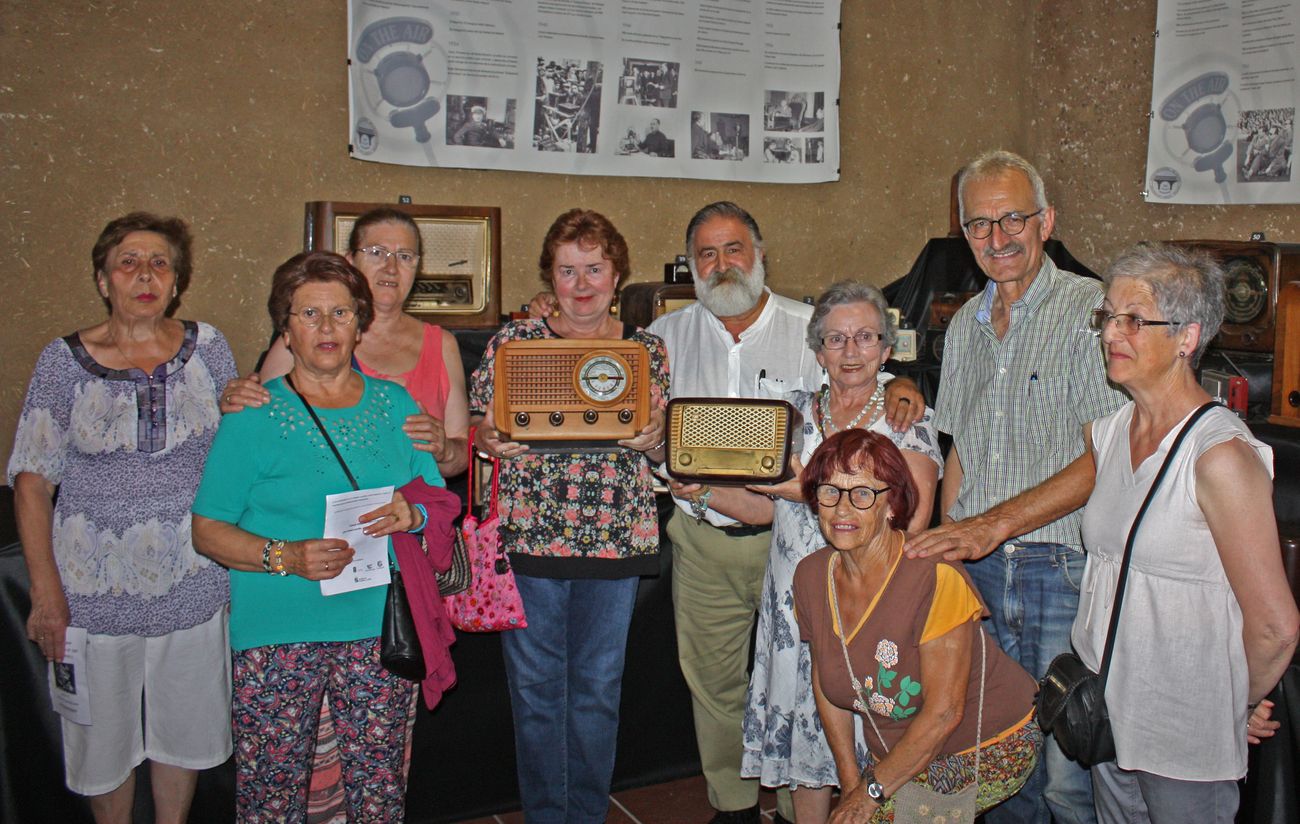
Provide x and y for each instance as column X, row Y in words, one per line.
column 854, row 451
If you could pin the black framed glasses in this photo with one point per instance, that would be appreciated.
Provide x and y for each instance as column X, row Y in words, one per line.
column 865, row 339
column 311, row 317
column 1012, row 223
column 1126, row 325
column 862, row 497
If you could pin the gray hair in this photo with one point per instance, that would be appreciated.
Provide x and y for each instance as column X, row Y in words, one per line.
column 1188, row 285
column 841, row 294
column 992, row 164
column 723, row 208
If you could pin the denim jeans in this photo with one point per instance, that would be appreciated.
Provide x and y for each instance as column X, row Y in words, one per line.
column 1032, row 591
column 566, row 675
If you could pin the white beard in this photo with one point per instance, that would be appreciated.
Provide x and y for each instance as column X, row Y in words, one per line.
column 731, row 292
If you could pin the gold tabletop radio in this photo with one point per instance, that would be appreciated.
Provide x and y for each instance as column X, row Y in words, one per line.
column 729, row 440
column 565, row 395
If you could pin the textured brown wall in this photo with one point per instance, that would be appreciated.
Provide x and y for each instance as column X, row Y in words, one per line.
column 233, row 115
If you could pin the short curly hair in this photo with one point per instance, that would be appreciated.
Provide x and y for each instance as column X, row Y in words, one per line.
column 858, row 450
column 589, row 230
column 174, row 230
column 317, row 267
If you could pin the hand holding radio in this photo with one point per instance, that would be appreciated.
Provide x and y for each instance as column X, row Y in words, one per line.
column 650, row 439
column 487, row 439
column 788, row 489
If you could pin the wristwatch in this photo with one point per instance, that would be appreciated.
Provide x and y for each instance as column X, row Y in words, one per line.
column 875, row 790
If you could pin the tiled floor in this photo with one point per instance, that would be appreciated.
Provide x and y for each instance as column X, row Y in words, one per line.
column 677, row 802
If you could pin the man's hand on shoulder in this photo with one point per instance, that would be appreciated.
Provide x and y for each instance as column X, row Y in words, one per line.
column 966, row 540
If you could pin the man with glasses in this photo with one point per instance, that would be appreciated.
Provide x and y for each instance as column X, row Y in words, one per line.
column 1022, row 374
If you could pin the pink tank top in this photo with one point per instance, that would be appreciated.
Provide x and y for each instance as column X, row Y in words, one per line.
column 427, row 382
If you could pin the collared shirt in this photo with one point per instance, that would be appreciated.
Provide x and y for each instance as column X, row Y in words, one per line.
column 1016, row 406
column 770, row 359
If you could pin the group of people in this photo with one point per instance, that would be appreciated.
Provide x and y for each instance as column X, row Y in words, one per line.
column 890, row 659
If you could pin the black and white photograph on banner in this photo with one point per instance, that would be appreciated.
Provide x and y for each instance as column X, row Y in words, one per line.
column 567, row 115
column 648, row 83
column 719, row 136
column 480, row 121
column 783, row 150
column 645, row 134
column 793, row 111
column 816, row 152
column 1265, row 145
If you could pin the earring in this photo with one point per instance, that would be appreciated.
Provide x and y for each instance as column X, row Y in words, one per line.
column 1182, row 354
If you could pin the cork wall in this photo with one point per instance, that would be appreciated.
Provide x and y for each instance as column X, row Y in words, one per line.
column 234, row 115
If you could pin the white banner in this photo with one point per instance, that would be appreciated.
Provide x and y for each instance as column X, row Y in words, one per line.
column 712, row 89
column 1223, row 102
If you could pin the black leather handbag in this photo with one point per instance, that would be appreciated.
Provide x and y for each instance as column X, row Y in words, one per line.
column 1071, row 697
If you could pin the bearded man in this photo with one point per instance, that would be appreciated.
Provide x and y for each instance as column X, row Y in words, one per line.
column 739, row 340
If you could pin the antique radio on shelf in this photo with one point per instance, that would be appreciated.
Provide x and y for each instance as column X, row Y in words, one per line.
column 730, row 440
column 458, row 283
column 571, row 395
column 1257, row 271
column 942, row 308
column 1286, row 363
column 641, row 303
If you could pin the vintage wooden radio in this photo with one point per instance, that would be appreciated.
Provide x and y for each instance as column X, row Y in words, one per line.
column 640, row 303
column 571, row 394
column 1256, row 272
column 1286, row 362
column 729, row 440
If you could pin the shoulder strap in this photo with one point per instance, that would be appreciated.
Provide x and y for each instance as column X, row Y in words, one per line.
column 1132, row 534
column 324, row 434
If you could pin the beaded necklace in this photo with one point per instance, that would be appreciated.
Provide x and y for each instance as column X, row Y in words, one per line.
column 876, row 400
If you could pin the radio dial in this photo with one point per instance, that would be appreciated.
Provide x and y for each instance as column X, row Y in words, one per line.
column 684, row 459
column 767, row 463
column 556, row 418
column 603, row 378
column 521, row 419
column 625, row 416
column 590, row 416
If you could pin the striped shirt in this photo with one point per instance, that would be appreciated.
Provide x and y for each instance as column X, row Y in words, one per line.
column 1016, row 407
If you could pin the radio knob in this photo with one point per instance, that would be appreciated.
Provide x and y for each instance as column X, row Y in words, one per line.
column 625, row 416
column 684, row 459
column 556, row 418
column 767, row 463
column 1293, row 398
column 591, row 416
column 521, row 419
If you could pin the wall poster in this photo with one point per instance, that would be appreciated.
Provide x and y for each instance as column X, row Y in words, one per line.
column 704, row 89
column 1223, row 102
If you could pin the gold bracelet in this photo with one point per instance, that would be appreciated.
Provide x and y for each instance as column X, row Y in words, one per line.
column 278, row 564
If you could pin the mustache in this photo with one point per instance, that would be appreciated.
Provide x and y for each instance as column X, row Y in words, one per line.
column 733, row 274
column 1012, row 246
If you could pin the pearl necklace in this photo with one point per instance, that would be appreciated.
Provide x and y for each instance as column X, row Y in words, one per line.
column 877, row 399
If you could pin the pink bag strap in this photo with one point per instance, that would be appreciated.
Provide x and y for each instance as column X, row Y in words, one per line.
column 473, row 480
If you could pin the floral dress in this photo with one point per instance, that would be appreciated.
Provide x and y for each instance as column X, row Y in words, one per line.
column 580, row 515
column 784, row 741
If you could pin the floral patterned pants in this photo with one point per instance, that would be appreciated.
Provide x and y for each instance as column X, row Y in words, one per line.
column 276, row 706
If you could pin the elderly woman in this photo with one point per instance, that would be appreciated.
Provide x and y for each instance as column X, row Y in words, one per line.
column 385, row 245
column 898, row 642
column 119, row 417
column 260, row 511
column 579, row 530
column 1207, row 614
column 853, row 334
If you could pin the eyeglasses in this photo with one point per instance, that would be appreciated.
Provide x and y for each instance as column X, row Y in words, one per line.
column 1012, row 223
column 839, row 340
column 862, row 497
column 379, row 256
column 1126, row 325
column 311, row 317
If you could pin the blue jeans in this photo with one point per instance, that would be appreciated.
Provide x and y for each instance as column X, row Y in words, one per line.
column 566, row 675
column 1032, row 591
